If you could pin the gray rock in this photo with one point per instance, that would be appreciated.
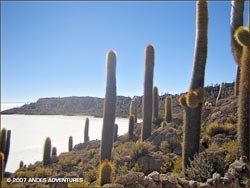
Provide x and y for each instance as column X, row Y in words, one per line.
column 115, row 185
column 130, row 178
column 155, row 176
column 193, row 184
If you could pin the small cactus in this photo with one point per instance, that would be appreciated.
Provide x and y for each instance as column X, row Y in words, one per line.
column 222, row 87
column 54, row 152
column 148, row 88
column 21, row 164
column 105, row 172
column 47, row 152
column 168, row 109
column 70, row 143
column 131, row 126
column 182, row 100
column 3, row 140
column 109, row 108
column 155, row 102
column 86, row 130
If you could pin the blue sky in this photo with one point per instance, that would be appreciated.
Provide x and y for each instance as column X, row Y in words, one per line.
column 58, row 49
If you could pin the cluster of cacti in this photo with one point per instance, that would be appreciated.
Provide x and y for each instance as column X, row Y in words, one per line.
column 148, row 88
column 242, row 36
column 168, row 109
column 155, row 102
column 109, row 108
column 192, row 101
column 131, row 125
column 47, row 152
column 86, row 130
column 105, row 172
column 237, row 11
column 222, row 87
column 70, row 144
column 115, row 134
column 54, row 152
column 5, row 144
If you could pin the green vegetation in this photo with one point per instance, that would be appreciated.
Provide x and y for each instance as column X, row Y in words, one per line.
column 140, row 149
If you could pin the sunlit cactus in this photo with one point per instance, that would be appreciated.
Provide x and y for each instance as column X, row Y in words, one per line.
column 182, row 100
column 222, row 87
column 115, row 132
column 242, row 36
column 164, row 124
column 86, row 130
column 237, row 12
column 155, row 102
column 105, row 172
column 192, row 120
column 168, row 109
column 148, row 88
column 70, row 143
column 109, row 108
column 47, row 152
column 131, row 125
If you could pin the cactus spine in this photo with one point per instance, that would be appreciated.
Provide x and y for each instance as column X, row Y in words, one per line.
column 105, row 172
column 193, row 114
column 70, row 143
column 86, row 130
column 236, row 21
column 115, row 132
column 131, row 126
column 109, row 108
column 155, row 103
column 168, row 109
column 7, row 148
column 242, row 36
column 47, row 152
column 148, row 87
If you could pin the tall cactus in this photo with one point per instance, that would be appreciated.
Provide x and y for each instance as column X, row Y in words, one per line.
column 109, row 108
column 148, row 87
column 155, row 103
column 115, row 132
column 1, row 168
column 168, row 109
column 242, row 36
column 7, row 148
column 131, row 126
column 220, row 94
column 86, row 130
column 3, row 140
column 192, row 121
column 105, row 172
column 135, row 108
column 70, row 143
column 237, row 10
column 47, row 152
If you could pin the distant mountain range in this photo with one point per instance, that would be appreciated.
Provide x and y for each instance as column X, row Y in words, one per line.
column 93, row 106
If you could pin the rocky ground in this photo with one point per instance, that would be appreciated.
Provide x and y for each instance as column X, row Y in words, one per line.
column 157, row 161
